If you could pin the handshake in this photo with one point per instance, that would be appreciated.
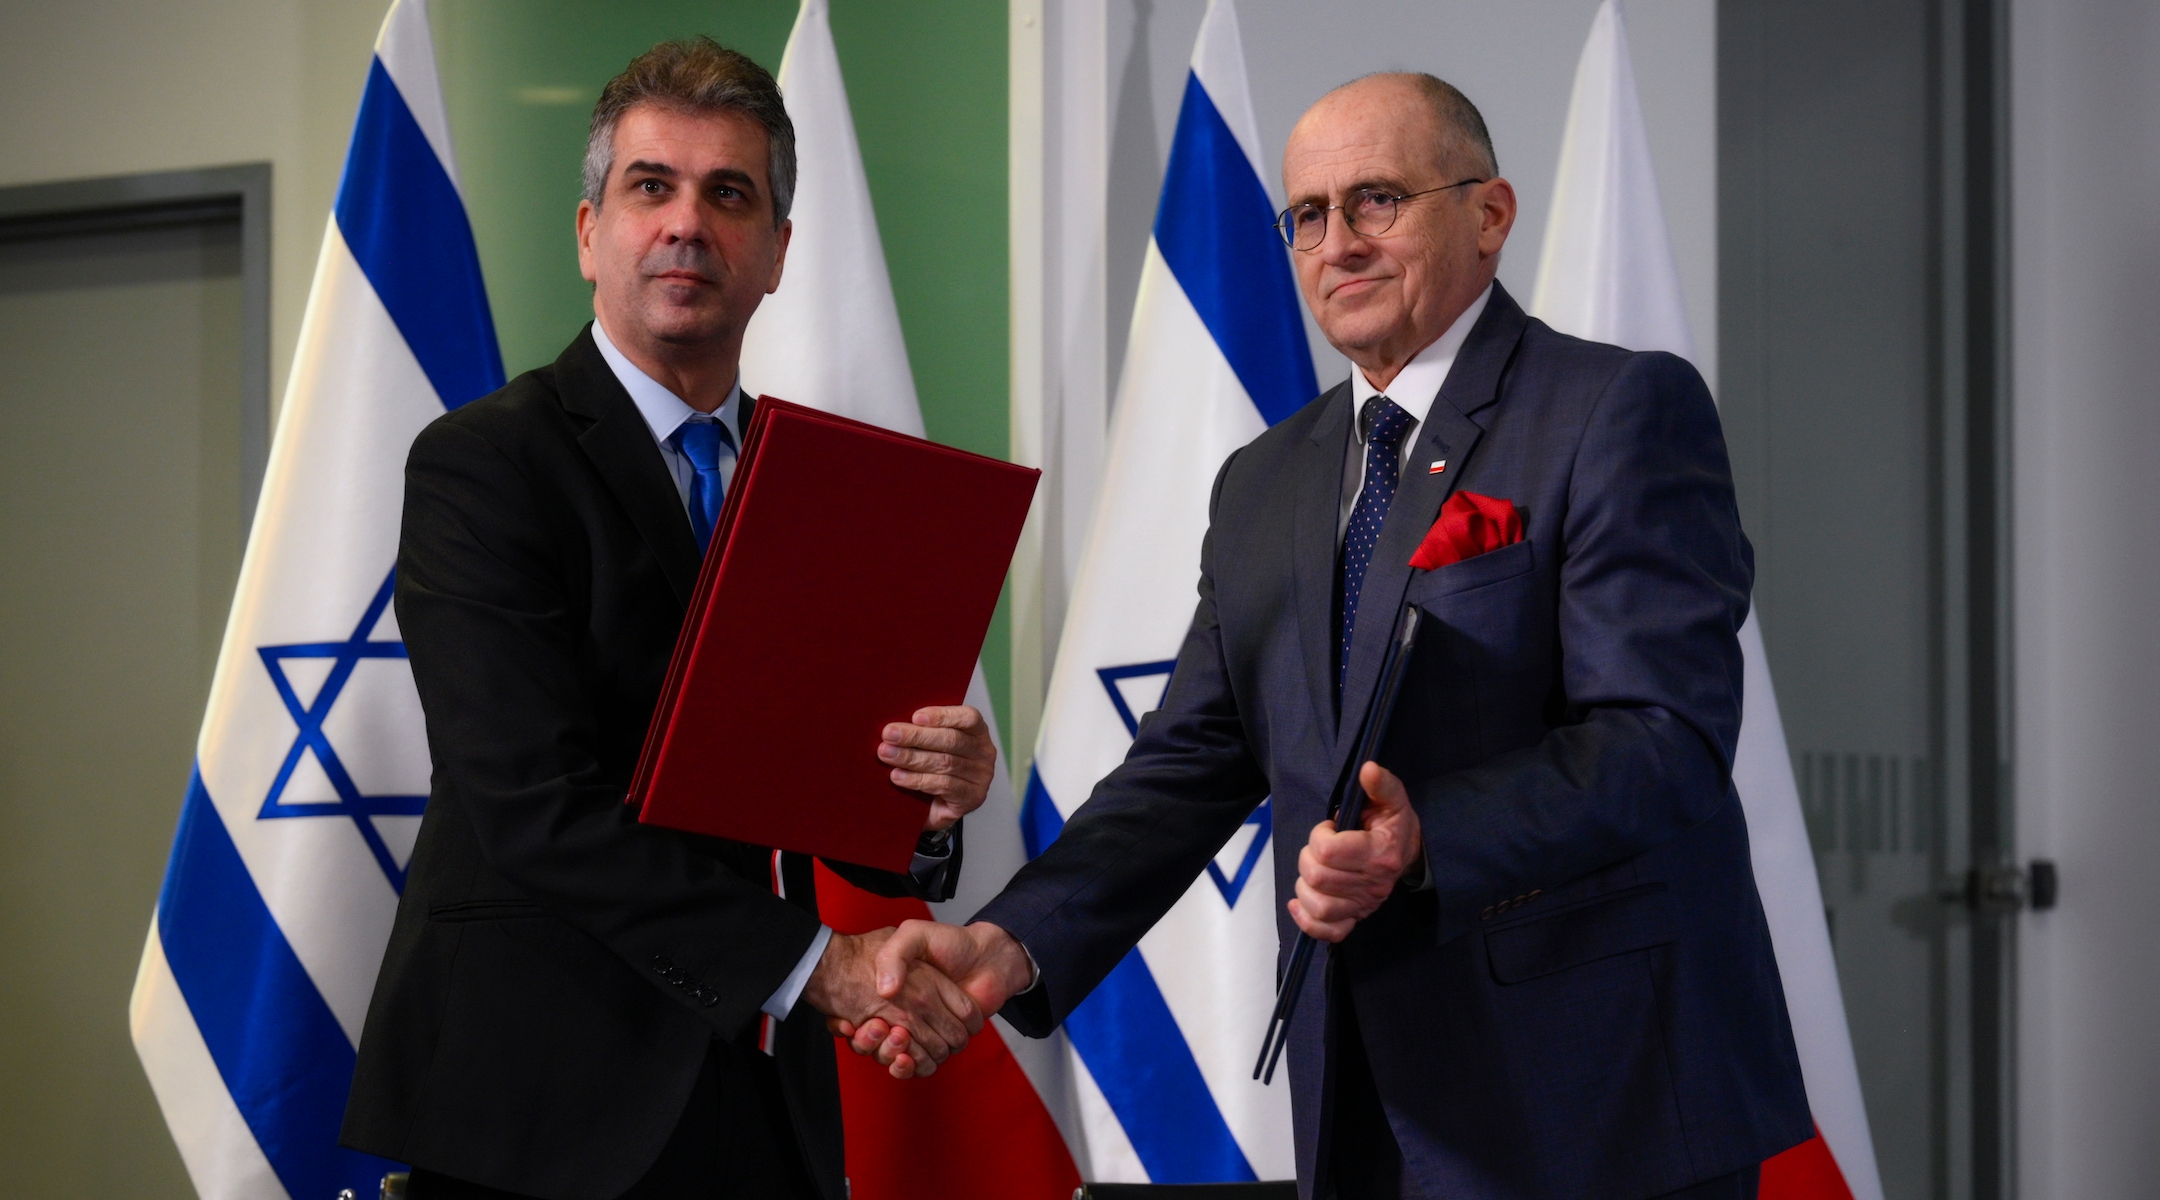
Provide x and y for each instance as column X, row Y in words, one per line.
column 911, row 997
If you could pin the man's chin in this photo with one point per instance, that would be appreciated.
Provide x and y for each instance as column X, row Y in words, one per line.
column 1362, row 327
column 683, row 326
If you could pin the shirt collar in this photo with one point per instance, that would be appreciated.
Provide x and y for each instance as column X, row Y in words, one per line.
column 663, row 410
column 1418, row 384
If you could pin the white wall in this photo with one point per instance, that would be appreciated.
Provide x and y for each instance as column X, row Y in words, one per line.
column 2085, row 86
column 117, row 87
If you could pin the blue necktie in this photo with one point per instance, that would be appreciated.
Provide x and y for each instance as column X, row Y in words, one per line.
column 700, row 439
column 1385, row 424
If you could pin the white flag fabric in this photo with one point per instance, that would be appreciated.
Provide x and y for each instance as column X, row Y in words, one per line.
column 312, row 768
column 1164, row 1047
column 1608, row 262
column 830, row 337
column 1607, row 273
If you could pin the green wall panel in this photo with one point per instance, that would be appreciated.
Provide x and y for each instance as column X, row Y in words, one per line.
column 927, row 87
column 519, row 79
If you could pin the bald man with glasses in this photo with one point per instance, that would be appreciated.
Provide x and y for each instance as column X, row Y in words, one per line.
column 1545, row 972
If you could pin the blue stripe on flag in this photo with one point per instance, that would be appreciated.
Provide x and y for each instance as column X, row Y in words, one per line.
column 1039, row 819
column 1138, row 1056
column 1130, row 1040
column 405, row 224
column 283, row 1055
column 1214, row 229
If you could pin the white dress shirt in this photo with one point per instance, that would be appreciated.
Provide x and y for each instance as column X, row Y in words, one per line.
column 664, row 413
column 1413, row 390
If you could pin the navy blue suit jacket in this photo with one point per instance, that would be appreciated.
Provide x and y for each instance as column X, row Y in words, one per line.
column 1585, row 1002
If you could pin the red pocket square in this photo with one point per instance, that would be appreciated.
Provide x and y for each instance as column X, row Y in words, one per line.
column 1469, row 525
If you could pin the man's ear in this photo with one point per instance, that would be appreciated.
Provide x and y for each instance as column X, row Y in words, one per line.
column 1496, row 216
column 786, row 231
column 588, row 219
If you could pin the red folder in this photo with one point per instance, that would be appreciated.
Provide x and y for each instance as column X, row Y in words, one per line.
column 849, row 582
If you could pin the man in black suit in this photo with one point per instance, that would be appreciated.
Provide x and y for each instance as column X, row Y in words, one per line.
column 573, row 1005
column 1545, row 972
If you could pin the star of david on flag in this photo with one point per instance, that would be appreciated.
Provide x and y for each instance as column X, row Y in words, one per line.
column 1164, row 1047
column 1113, row 680
column 312, row 738
column 1244, row 849
column 269, row 929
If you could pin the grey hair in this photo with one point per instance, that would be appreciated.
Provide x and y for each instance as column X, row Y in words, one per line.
column 697, row 75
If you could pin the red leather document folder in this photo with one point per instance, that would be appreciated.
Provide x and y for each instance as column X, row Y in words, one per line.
column 849, row 582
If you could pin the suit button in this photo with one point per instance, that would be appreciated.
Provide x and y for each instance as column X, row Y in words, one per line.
column 1487, row 914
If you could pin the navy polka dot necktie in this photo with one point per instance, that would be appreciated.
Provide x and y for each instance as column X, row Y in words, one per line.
column 1385, row 423
column 703, row 440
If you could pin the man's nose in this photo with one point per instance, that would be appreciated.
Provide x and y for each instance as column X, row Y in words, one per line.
column 1340, row 243
column 683, row 220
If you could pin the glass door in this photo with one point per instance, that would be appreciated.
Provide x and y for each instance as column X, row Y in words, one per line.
column 1860, row 385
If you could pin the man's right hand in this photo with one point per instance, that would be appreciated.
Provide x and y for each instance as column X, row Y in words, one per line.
column 984, row 960
column 926, row 1016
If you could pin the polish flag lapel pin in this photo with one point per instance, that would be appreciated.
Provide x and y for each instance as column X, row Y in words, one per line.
column 1438, row 467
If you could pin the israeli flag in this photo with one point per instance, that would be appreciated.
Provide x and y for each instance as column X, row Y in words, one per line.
column 312, row 768
column 1165, row 1046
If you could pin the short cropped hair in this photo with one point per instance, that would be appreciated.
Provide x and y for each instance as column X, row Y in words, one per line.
column 698, row 76
column 1463, row 137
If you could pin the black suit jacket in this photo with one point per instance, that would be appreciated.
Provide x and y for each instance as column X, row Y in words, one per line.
column 557, row 971
column 1585, row 1001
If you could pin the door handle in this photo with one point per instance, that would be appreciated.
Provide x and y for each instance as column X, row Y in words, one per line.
column 2004, row 887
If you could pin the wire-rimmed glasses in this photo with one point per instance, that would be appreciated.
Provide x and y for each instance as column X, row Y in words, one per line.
column 1369, row 212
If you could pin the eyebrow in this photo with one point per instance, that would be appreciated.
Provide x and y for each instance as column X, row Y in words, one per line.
column 728, row 175
column 1393, row 187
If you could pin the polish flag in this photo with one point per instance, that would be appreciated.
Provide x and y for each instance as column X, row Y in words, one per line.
column 830, row 338
column 1607, row 274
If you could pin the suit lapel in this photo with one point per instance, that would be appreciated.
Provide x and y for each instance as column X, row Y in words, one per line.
column 1447, row 433
column 1312, row 548
column 620, row 445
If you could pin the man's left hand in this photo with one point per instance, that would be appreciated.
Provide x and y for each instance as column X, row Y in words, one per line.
column 945, row 753
column 1344, row 876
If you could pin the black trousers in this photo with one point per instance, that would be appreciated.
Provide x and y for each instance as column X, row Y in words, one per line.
column 1368, row 1165
column 733, row 1142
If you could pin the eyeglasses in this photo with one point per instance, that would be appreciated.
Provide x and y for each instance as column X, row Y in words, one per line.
column 1369, row 212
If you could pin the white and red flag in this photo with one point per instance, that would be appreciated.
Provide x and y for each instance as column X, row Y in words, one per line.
column 831, row 338
column 1607, row 273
